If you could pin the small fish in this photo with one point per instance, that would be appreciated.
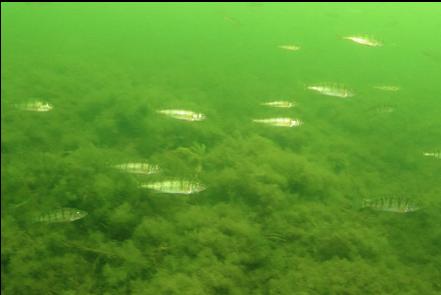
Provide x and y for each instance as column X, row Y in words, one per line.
column 398, row 205
column 232, row 20
column 61, row 215
column 183, row 115
column 279, row 104
column 364, row 41
column 290, row 47
column 387, row 88
column 176, row 186
column 385, row 109
column 138, row 168
column 332, row 90
column 436, row 155
column 280, row 122
column 35, row 106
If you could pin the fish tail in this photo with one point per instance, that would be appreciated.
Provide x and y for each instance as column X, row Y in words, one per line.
column 360, row 204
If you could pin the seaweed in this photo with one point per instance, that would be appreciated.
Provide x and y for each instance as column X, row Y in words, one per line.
column 279, row 214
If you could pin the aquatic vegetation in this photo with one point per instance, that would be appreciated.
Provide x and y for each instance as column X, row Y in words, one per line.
column 280, row 214
column 194, row 155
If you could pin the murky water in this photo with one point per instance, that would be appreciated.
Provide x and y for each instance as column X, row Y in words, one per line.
column 250, row 148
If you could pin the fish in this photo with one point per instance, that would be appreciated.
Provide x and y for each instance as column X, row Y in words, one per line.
column 35, row 106
column 232, row 20
column 61, row 215
column 331, row 90
column 385, row 109
column 183, row 115
column 138, row 168
column 398, row 205
column 387, row 88
column 290, row 47
column 175, row 186
column 279, row 104
column 364, row 41
column 280, row 122
column 436, row 155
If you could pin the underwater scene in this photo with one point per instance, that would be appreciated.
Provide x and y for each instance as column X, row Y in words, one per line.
column 220, row 148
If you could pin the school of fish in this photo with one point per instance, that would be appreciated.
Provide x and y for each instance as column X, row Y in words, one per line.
column 181, row 186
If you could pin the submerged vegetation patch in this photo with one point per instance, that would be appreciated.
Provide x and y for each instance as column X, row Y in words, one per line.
column 130, row 162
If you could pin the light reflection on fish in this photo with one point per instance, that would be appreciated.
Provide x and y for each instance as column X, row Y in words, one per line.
column 398, row 205
column 175, row 186
column 364, row 41
column 61, row 215
column 138, row 168
column 331, row 90
column 183, row 115
column 280, row 122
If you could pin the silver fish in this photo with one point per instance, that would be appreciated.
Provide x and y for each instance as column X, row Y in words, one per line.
column 61, row 215
column 364, row 41
column 331, row 90
column 280, row 122
column 35, row 106
column 183, row 115
column 279, row 104
column 175, row 186
column 289, row 47
column 385, row 109
column 436, row 155
column 138, row 168
column 398, row 205
column 387, row 88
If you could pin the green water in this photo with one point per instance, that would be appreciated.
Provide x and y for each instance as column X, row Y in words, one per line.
column 282, row 212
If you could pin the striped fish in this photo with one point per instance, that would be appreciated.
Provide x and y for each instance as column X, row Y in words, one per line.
column 383, row 109
column 35, row 106
column 398, row 205
column 280, row 122
column 61, row 215
column 138, row 168
column 183, row 115
column 177, row 186
column 331, row 90
column 279, row 104
column 436, row 155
